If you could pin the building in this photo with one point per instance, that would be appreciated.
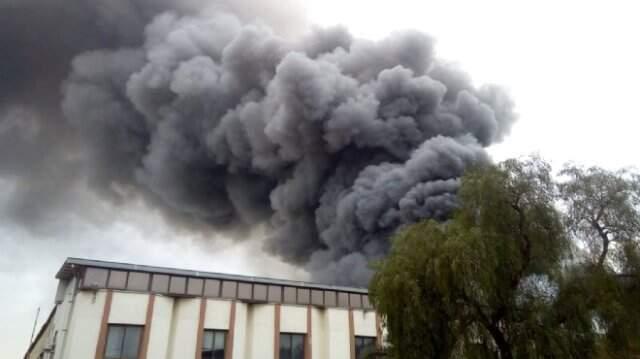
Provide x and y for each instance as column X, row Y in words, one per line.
column 107, row 310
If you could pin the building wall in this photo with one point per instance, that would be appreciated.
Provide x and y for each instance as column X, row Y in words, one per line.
column 128, row 308
column 337, row 332
column 364, row 323
column 293, row 319
column 217, row 314
column 84, row 328
column 160, row 331
column 260, row 331
column 175, row 322
column 319, row 337
column 184, row 329
column 42, row 342
column 62, row 318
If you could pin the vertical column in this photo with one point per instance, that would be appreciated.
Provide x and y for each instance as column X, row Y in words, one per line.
column 276, row 332
column 352, row 338
column 228, row 350
column 104, row 326
column 144, row 347
column 203, row 311
column 308, row 349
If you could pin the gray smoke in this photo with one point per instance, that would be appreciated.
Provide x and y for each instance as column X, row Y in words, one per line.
column 226, row 123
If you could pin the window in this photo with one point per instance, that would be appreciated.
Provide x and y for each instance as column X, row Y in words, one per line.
column 365, row 346
column 213, row 344
column 291, row 346
column 123, row 342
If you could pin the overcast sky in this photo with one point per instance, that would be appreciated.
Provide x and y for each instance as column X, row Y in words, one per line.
column 571, row 66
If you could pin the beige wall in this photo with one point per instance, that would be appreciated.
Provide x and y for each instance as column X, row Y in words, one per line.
column 319, row 337
column 84, row 327
column 337, row 332
column 217, row 315
column 184, row 328
column 293, row 319
column 260, row 331
column 364, row 323
column 240, row 331
column 42, row 342
column 174, row 329
column 160, row 333
column 63, row 316
column 128, row 308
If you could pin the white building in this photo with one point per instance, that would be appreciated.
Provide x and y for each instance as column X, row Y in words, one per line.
column 107, row 310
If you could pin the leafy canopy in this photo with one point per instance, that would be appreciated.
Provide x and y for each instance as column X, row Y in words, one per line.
column 500, row 278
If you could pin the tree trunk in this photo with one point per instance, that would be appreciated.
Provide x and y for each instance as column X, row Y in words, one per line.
column 605, row 243
column 503, row 346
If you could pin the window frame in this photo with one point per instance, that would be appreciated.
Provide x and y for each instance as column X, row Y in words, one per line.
column 225, row 333
column 291, row 335
column 125, row 326
column 363, row 339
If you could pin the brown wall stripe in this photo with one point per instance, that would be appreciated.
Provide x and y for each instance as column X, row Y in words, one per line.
column 276, row 333
column 307, row 351
column 144, row 347
column 199, row 335
column 104, row 326
column 228, row 351
column 352, row 338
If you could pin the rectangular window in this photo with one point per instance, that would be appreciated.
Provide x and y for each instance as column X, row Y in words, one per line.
column 213, row 344
column 291, row 346
column 365, row 346
column 123, row 342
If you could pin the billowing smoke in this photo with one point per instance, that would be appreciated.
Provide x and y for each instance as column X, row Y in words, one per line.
column 226, row 123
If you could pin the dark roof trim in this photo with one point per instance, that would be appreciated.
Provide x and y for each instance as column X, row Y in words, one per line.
column 71, row 264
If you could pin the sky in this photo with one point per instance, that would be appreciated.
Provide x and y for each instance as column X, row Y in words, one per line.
column 572, row 68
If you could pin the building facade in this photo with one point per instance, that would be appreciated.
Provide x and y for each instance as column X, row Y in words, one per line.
column 107, row 310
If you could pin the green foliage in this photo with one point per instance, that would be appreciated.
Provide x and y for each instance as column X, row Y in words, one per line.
column 500, row 278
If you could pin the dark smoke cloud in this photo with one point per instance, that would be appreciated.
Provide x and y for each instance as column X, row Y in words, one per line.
column 225, row 123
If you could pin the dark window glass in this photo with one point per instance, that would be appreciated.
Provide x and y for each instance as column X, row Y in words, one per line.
column 365, row 346
column 297, row 346
column 291, row 346
column 213, row 344
column 123, row 342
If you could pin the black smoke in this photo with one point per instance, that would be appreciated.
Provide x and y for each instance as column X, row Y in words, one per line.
column 226, row 123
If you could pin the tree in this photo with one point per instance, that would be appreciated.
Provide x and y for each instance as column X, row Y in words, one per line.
column 602, row 211
column 603, row 216
column 498, row 280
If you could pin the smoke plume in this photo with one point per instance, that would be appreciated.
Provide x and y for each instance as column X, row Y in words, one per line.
column 226, row 120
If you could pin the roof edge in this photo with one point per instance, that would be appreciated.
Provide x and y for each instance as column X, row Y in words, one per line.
column 68, row 267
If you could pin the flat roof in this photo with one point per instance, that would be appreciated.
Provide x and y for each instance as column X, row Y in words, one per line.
column 70, row 265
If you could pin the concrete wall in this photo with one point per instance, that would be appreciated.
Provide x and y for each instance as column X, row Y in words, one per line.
column 337, row 332
column 293, row 319
column 364, row 323
column 62, row 318
column 174, row 325
column 42, row 342
column 128, row 308
column 319, row 336
column 217, row 315
column 160, row 334
column 184, row 328
column 260, row 331
column 84, row 327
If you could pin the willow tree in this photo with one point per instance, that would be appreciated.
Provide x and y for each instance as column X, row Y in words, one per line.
column 498, row 280
column 603, row 217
